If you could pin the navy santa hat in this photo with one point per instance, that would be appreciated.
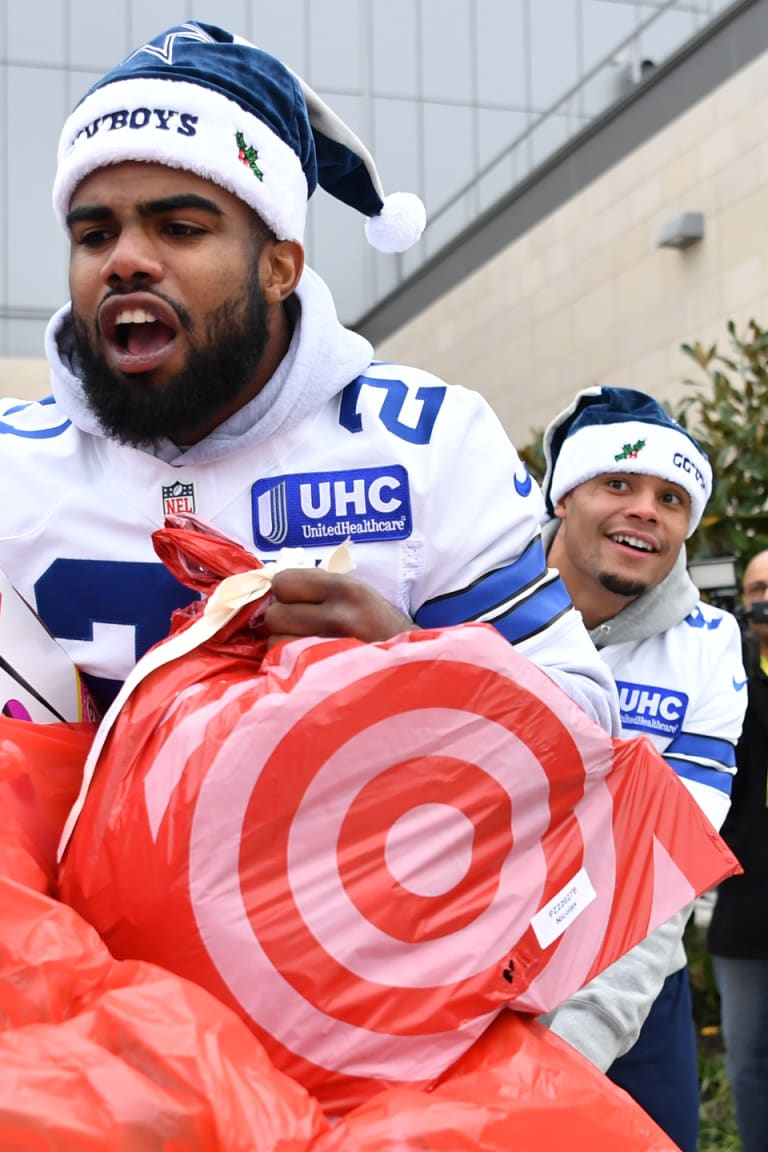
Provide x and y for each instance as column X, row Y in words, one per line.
column 608, row 430
column 207, row 101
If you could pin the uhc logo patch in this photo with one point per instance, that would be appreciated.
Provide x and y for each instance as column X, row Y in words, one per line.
column 646, row 708
column 315, row 508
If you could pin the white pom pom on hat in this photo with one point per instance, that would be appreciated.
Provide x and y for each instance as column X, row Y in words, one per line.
column 399, row 223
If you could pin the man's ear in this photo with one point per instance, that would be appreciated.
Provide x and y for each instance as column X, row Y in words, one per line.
column 281, row 263
column 561, row 507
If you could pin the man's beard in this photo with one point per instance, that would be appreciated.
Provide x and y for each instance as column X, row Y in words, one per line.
column 220, row 367
column 621, row 586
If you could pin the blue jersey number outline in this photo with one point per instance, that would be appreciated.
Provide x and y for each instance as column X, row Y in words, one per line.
column 431, row 397
column 73, row 595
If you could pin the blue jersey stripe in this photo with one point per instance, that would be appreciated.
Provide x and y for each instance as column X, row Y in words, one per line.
column 533, row 614
column 490, row 592
column 34, row 433
column 703, row 748
column 20, row 407
column 712, row 777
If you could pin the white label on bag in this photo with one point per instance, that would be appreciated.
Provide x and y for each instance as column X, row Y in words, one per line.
column 553, row 919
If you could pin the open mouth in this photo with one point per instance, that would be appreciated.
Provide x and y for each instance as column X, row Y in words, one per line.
column 634, row 542
column 138, row 332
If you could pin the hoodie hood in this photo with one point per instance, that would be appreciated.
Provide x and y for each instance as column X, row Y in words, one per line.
column 322, row 358
column 660, row 608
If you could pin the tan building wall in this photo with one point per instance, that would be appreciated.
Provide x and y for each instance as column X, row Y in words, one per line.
column 26, row 378
column 586, row 297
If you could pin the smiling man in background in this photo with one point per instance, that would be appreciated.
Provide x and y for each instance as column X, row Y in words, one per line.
column 626, row 486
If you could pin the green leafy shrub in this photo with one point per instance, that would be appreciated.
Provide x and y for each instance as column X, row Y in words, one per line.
column 727, row 413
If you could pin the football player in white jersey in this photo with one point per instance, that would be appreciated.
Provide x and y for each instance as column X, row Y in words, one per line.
column 626, row 486
column 201, row 368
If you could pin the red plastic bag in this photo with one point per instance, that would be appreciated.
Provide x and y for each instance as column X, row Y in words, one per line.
column 98, row 1055
column 367, row 850
column 41, row 769
column 519, row 1087
column 101, row 1056
column 106, row 1055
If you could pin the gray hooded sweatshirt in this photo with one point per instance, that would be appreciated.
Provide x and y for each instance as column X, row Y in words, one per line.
column 604, row 1018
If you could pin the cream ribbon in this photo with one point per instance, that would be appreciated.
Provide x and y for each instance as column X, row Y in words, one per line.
column 232, row 594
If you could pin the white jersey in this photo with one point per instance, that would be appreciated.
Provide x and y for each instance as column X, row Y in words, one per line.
column 685, row 689
column 678, row 669
column 422, row 478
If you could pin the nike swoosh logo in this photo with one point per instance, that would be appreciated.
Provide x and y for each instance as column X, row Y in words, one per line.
column 523, row 487
column 739, row 684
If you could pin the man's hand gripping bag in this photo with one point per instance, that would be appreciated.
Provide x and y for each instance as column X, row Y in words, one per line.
column 368, row 849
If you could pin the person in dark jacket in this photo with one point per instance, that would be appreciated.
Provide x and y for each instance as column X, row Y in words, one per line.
column 738, row 932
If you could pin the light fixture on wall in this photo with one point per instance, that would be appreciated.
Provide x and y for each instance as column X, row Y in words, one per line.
column 681, row 231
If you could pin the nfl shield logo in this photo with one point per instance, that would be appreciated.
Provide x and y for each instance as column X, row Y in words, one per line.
column 178, row 498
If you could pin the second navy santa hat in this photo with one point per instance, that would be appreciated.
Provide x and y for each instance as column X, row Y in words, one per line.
column 622, row 430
